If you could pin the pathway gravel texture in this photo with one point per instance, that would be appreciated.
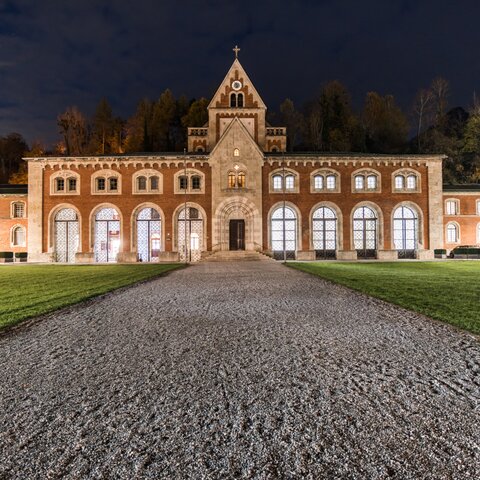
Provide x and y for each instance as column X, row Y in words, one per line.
column 238, row 370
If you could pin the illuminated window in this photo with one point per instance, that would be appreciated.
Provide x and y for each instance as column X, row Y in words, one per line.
column 399, row 182
column 411, row 182
column 289, row 182
column 231, row 180
column 277, row 182
column 359, row 182
column 241, row 180
column 371, row 182
column 236, row 152
column 451, row 207
column 331, row 182
column 318, row 182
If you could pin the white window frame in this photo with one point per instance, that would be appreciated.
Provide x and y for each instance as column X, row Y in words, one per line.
column 456, row 207
column 284, row 174
column 457, row 232
column 328, row 175
column 13, row 206
column 12, row 235
column 148, row 174
column 406, row 174
column 366, row 174
column 107, row 175
column 64, row 175
column 191, row 172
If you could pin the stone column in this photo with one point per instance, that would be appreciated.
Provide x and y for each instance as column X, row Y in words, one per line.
column 35, row 214
column 435, row 203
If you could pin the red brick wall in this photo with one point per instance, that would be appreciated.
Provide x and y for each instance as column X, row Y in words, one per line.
column 467, row 219
column 7, row 222
column 126, row 202
column 386, row 200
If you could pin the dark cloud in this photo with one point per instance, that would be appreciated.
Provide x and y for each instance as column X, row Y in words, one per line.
column 55, row 53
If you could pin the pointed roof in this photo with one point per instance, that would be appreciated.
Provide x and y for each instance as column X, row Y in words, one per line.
column 236, row 122
column 225, row 85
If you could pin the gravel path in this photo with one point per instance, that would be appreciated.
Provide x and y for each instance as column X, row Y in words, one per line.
column 239, row 370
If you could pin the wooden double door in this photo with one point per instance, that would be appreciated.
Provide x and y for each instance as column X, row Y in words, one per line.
column 237, row 235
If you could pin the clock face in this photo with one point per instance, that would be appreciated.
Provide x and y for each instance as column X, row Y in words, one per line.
column 236, row 85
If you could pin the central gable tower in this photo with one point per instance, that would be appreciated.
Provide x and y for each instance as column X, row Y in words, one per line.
column 236, row 97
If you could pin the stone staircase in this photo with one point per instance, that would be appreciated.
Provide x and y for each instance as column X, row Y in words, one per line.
column 236, row 256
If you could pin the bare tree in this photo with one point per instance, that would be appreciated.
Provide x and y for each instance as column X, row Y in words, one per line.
column 421, row 108
column 73, row 127
column 440, row 91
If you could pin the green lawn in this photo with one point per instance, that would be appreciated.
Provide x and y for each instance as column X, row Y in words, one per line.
column 447, row 291
column 30, row 290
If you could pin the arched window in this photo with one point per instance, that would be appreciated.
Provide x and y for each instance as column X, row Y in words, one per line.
column 100, row 182
column 331, row 182
column 233, row 100
column 318, row 182
column 284, row 179
column 277, row 182
column 324, row 233
column 190, row 234
column 18, row 236
column 452, row 233
column 60, row 184
column 236, row 152
column 149, row 234
column 141, row 183
column 289, row 182
column 66, row 235
column 411, row 182
column 231, row 180
column 241, row 180
column 359, row 182
column 371, row 182
column 182, row 182
column 107, row 235
column 283, row 228
column 405, row 232
column 154, row 183
column 240, row 100
column 365, row 232
column 196, row 182
column 451, row 207
column 399, row 182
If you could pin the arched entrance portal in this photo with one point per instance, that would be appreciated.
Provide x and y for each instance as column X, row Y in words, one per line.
column 190, row 234
column 405, row 232
column 237, row 225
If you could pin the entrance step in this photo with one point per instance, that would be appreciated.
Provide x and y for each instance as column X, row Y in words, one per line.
column 236, row 256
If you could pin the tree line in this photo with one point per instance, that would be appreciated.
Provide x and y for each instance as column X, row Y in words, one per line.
column 325, row 123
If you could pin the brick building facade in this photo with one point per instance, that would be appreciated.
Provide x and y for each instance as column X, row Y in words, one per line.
column 237, row 188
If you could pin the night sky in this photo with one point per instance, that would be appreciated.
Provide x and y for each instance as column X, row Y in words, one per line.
column 55, row 54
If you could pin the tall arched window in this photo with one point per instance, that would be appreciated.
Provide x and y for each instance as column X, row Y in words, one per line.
column 107, row 235
column 324, row 233
column 149, row 234
column 66, row 235
column 405, row 232
column 240, row 100
column 283, row 230
column 365, row 232
column 233, row 100
column 190, row 234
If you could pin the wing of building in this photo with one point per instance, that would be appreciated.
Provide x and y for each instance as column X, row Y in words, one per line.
column 236, row 189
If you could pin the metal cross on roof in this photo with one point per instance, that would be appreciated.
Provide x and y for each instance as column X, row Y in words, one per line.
column 236, row 50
